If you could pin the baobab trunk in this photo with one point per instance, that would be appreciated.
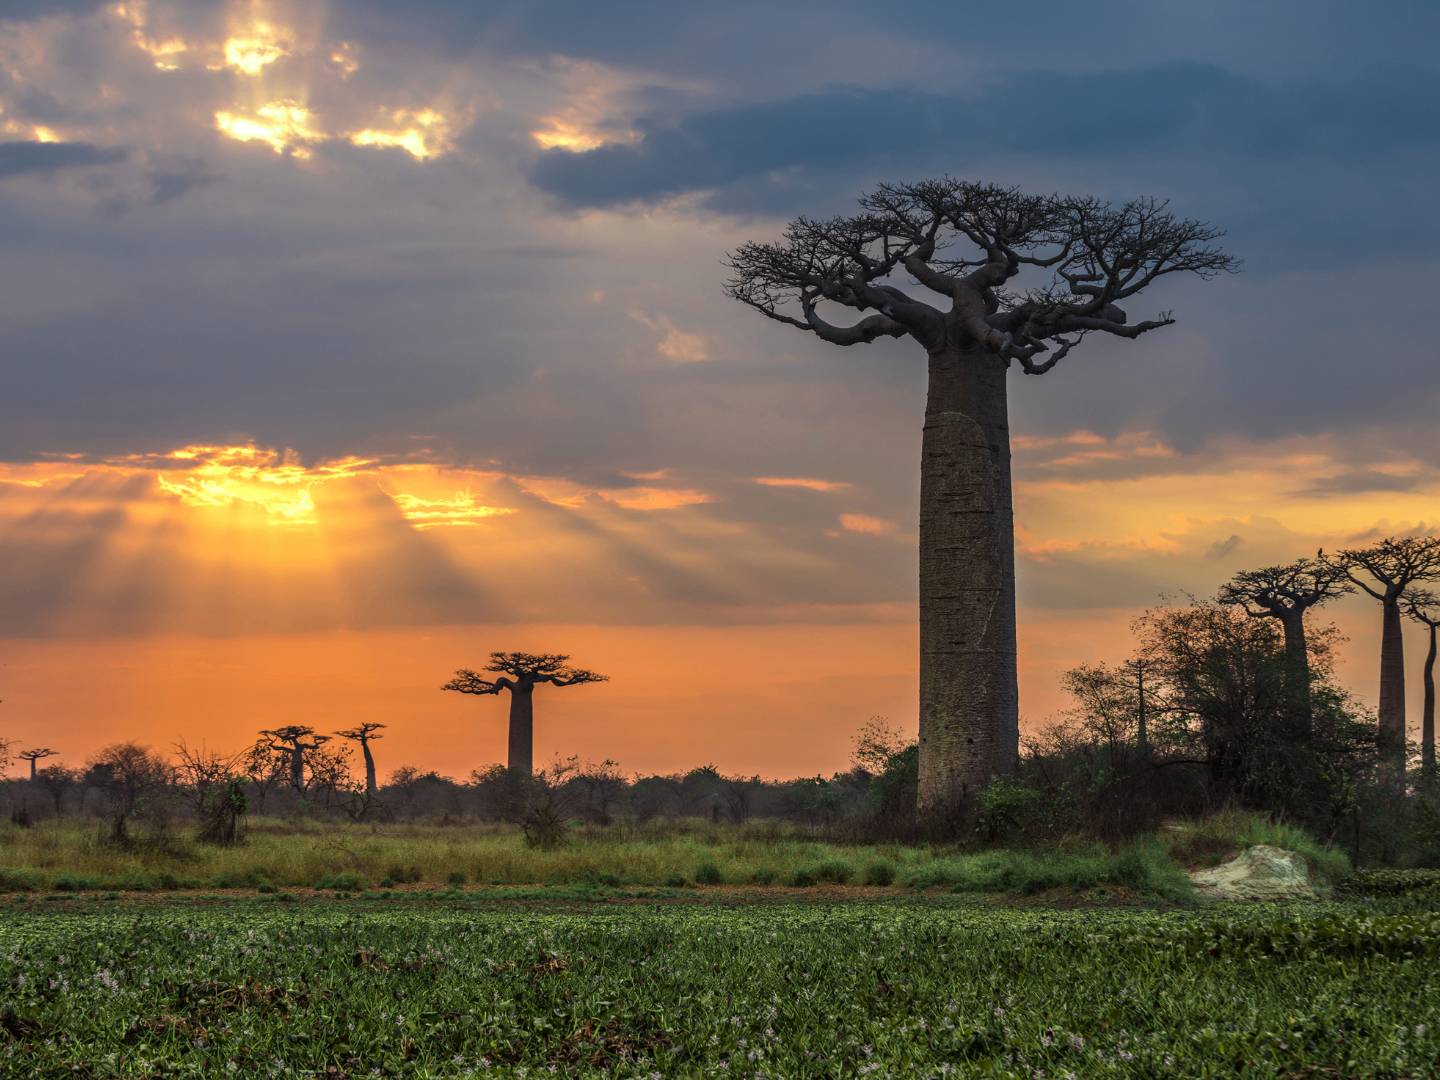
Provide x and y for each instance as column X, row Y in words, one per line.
column 370, row 785
column 969, row 702
column 522, row 729
column 297, row 769
column 1297, row 674
column 1392, row 692
column 1427, row 720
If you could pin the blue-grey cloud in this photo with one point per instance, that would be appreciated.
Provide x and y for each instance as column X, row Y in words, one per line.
column 20, row 158
column 749, row 152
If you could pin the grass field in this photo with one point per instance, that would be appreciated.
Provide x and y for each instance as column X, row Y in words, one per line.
column 69, row 855
column 919, row 987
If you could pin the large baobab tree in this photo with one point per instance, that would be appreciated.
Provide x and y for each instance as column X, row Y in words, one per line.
column 1424, row 607
column 35, row 754
column 1013, row 280
column 1285, row 594
column 519, row 673
column 364, row 734
column 1386, row 571
column 295, row 741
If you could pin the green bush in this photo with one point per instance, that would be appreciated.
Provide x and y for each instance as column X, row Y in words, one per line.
column 707, row 873
column 456, row 878
column 71, row 883
column 880, row 873
column 17, row 881
column 834, row 872
column 342, row 882
column 403, row 875
column 764, row 875
column 1392, row 883
column 803, row 878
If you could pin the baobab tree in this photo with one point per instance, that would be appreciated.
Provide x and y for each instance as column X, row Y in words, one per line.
column 1021, row 281
column 519, row 674
column 364, row 734
column 1424, row 607
column 296, row 740
column 38, row 753
column 1285, row 594
column 1386, row 571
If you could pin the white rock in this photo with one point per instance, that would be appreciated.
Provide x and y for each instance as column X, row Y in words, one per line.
column 1259, row 873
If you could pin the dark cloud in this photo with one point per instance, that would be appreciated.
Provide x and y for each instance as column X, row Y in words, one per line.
column 22, row 158
column 751, row 151
column 31, row 9
column 1358, row 481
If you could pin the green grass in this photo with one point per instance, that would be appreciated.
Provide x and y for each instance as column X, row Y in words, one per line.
column 898, row 988
column 1212, row 840
column 1144, row 868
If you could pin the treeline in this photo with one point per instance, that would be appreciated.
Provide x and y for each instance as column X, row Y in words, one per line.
column 139, row 795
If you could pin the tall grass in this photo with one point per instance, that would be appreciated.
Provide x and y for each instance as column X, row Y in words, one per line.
column 70, row 855
column 1213, row 840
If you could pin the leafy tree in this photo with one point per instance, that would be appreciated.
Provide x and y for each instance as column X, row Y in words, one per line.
column 519, row 674
column 1013, row 280
column 131, row 778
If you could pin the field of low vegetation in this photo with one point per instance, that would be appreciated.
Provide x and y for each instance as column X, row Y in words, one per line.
column 930, row 987
column 71, row 856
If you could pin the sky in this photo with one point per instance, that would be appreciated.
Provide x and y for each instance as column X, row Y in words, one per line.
column 341, row 344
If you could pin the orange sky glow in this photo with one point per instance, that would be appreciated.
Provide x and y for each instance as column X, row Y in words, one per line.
column 211, row 591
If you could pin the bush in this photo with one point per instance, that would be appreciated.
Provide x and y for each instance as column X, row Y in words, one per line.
column 76, row 883
column 17, row 881
column 342, row 883
column 764, row 875
column 707, row 873
column 402, row 875
column 880, row 873
column 456, row 878
column 676, row 881
column 834, row 872
column 1385, row 884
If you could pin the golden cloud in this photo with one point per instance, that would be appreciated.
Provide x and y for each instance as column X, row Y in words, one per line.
column 807, row 483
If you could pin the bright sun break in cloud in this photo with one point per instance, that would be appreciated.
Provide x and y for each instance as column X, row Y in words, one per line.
column 285, row 126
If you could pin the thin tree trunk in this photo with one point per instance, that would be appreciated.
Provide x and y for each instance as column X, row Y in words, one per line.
column 1427, row 720
column 969, row 711
column 1297, row 675
column 370, row 785
column 1392, row 692
column 522, row 730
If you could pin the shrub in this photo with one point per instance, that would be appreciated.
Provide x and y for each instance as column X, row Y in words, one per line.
column 342, row 882
column 764, row 875
column 676, row 881
column 76, row 883
column 880, row 873
column 457, row 877
column 707, row 873
column 17, row 881
column 802, row 878
column 402, row 875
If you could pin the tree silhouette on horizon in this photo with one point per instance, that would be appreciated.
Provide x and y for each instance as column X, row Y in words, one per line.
column 1285, row 593
column 519, row 674
column 968, row 244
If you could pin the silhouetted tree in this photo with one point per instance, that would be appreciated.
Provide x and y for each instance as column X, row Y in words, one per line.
column 129, row 777
column 57, row 780
column 264, row 765
column 1286, row 593
column 1385, row 571
column 215, row 787
column 364, row 734
column 603, row 785
column 38, row 753
column 969, row 244
column 296, row 741
column 519, row 674
column 1424, row 607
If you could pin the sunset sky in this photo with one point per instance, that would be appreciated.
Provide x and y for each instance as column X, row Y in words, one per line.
column 343, row 343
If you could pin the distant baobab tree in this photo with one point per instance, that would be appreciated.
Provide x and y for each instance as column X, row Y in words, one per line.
column 1285, row 594
column 39, row 753
column 1386, row 571
column 1424, row 607
column 296, row 740
column 364, row 734
column 969, row 243
column 520, row 673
